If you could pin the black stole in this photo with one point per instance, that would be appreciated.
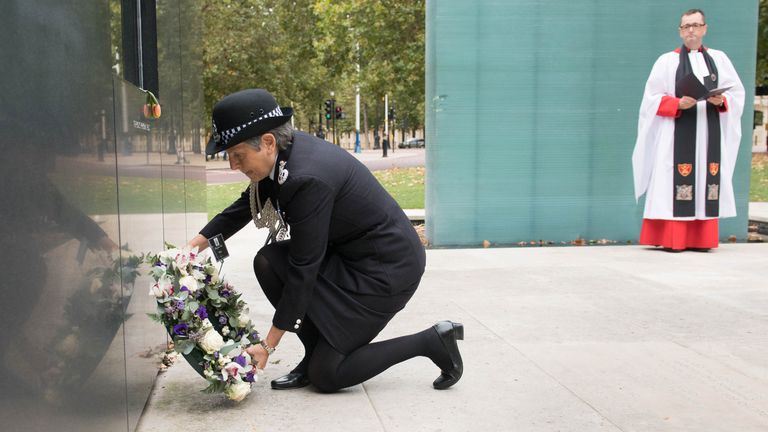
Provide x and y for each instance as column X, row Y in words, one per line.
column 684, row 184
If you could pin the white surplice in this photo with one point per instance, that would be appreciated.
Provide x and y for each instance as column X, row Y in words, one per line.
column 652, row 159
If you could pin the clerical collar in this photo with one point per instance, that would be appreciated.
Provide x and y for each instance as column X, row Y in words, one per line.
column 701, row 49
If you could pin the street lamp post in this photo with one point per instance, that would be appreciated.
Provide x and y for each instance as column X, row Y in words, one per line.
column 333, row 117
column 386, row 125
column 357, row 121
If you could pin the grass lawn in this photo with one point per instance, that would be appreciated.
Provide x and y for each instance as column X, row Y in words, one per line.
column 140, row 195
column 97, row 194
column 406, row 185
column 222, row 195
column 758, row 183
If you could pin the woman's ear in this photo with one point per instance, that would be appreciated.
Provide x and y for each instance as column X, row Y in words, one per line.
column 269, row 141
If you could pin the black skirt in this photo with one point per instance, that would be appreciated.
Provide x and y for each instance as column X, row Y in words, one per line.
column 348, row 307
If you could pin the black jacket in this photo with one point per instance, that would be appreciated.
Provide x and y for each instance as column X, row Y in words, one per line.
column 354, row 257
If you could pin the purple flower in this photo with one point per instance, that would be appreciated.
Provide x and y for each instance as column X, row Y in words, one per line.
column 216, row 355
column 240, row 360
column 180, row 329
column 208, row 279
column 180, row 305
column 223, row 320
column 184, row 288
column 249, row 377
column 201, row 312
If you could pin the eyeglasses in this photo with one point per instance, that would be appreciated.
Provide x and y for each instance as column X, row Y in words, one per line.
column 694, row 26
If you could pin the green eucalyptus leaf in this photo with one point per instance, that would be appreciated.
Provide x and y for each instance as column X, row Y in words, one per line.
column 212, row 294
column 228, row 347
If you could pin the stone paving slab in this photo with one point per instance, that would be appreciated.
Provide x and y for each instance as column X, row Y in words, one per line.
column 594, row 338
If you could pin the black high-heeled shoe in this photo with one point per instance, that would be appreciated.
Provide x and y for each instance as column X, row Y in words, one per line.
column 449, row 332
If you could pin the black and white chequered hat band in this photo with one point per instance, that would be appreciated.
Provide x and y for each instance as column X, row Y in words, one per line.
column 229, row 133
column 242, row 115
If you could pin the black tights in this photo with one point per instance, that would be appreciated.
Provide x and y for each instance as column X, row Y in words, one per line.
column 330, row 370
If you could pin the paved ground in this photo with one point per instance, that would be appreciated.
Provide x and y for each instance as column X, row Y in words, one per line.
column 597, row 338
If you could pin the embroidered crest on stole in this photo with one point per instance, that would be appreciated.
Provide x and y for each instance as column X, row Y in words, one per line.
column 684, row 192
column 713, row 192
column 684, row 169
column 714, row 167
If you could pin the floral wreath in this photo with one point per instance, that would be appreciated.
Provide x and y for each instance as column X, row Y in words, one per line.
column 206, row 319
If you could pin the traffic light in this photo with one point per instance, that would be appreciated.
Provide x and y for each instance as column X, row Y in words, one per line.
column 392, row 113
column 339, row 112
column 328, row 109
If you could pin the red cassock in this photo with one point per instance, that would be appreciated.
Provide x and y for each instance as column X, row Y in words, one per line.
column 679, row 235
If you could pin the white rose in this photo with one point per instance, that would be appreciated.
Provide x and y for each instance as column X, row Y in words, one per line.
column 69, row 346
column 243, row 319
column 95, row 285
column 238, row 391
column 189, row 282
column 211, row 341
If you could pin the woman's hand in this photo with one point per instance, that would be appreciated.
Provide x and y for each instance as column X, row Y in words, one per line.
column 199, row 241
column 106, row 244
column 259, row 355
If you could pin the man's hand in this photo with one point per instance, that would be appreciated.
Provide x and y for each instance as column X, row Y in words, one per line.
column 716, row 100
column 686, row 102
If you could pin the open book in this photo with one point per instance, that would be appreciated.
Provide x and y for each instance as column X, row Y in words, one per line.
column 689, row 85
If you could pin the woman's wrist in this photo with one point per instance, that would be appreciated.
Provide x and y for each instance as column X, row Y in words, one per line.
column 267, row 347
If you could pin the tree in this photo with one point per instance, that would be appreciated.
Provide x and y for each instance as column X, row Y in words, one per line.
column 301, row 50
column 761, row 76
column 386, row 39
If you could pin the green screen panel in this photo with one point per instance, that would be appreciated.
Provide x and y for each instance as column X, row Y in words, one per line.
column 532, row 114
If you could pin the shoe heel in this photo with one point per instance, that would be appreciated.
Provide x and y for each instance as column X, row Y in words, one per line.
column 458, row 330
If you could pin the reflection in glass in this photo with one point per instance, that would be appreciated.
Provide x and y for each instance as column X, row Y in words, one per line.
column 87, row 186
